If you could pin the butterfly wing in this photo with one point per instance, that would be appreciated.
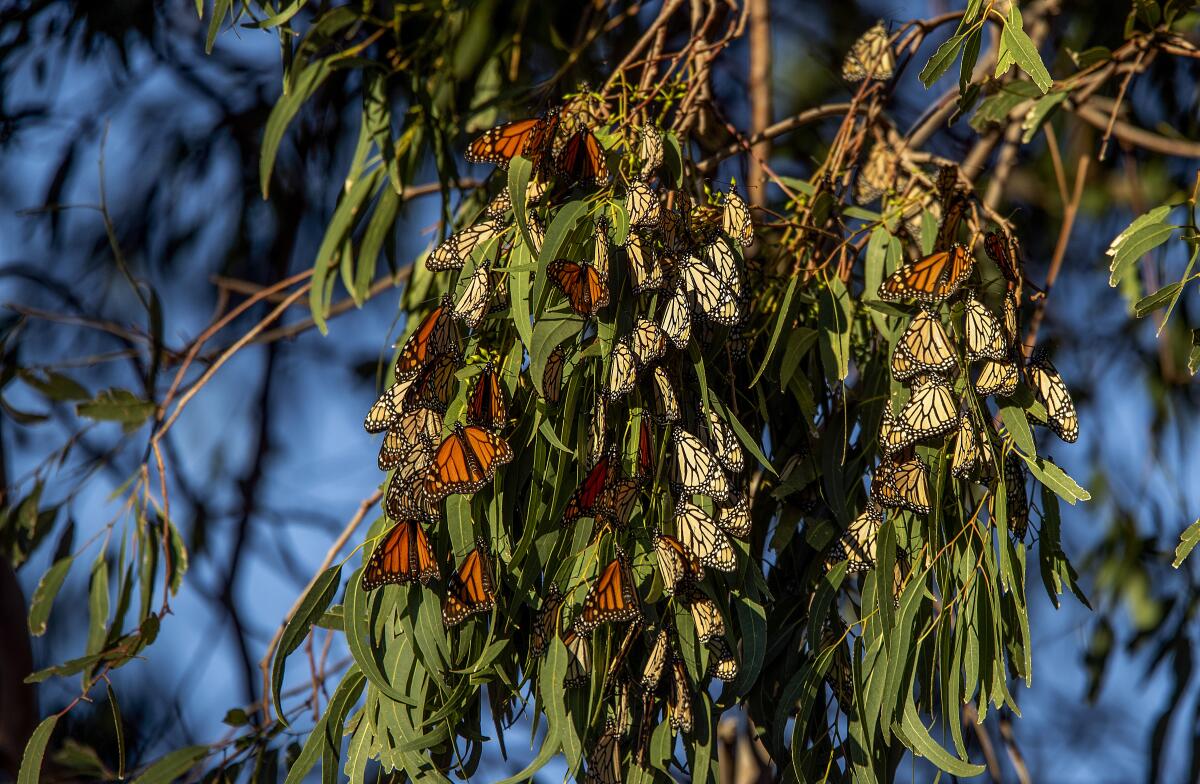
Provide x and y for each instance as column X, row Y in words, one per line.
column 622, row 372
column 923, row 348
column 695, row 469
column 455, row 250
column 857, row 544
column 644, row 267
column 642, row 204
column 985, row 336
column 610, row 599
column 487, row 407
column 997, row 378
column 930, row 411
column 1049, row 387
column 403, row 556
column 501, row 144
column 582, row 159
column 735, row 219
column 703, row 539
column 470, row 590
column 931, row 279
column 677, row 318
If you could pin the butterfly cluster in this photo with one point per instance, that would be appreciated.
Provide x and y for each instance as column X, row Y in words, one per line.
column 645, row 275
column 945, row 377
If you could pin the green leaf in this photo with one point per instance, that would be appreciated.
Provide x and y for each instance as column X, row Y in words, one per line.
column 1056, row 479
column 55, row 386
column 996, row 108
column 35, row 750
column 378, row 230
column 1015, row 421
column 1194, row 354
column 673, row 158
column 519, row 171
column 332, row 245
column 917, row 737
column 220, row 9
column 549, row 331
column 98, row 605
column 307, row 82
column 117, row 405
column 319, row 597
column 43, row 596
column 781, row 321
column 1023, row 52
column 1148, row 304
column 1145, row 234
column 1035, row 118
column 172, row 766
column 326, row 735
column 835, row 312
column 941, row 60
column 118, row 730
column 519, row 262
column 1187, row 541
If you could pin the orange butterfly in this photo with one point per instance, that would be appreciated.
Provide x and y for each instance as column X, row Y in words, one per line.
column 582, row 159
column 404, row 557
column 1000, row 250
column 470, row 589
column 465, row 461
column 584, row 286
column 645, row 463
column 436, row 336
column 585, row 499
column 529, row 138
column 487, row 407
column 434, row 385
column 611, row 598
column 931, row 279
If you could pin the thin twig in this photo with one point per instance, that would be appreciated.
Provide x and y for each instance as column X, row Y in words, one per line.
column 1060, row 251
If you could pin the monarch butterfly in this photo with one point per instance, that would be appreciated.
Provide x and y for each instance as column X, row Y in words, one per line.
column 645, row 456
column 537, row 232
column 840, row 676
column 582, row 160
column 597, row 430
column 499, row 205
column 985, row 336
column 735, row 219
column 579, row 665
column 649, row 150
column 930, row 411
column 677, row 318
column 475, row 302
column 610, row 599
column 997, row 378
column 622, row 371
column 695, row 469
column 891, row 437
column 422, row 425
column 552, row 375
column 707, row 616
column 487, row 407
column 466, row 461
column 1011, row 327
column 586, row 290
column 715, row 300
column 619, row 718
column 674, row 233
column 470, row 590
column 735, row 520
column 722, row 664
column 679, row 698
column 1016, row 503
column 931, row 279
column 857, row 544
column 1049, row 387
column 1003, row 252
column 954, row 207
column 966, row 448
column 545, row 621
column 585, row 499
column 677, row 565
column 604, row 760
column 870, row 57
column 877, row 174
column 648, row 341
column 703, row 224
column 406, row 498
column 902, row 485
column 700, row 536
column 923, row 348
column 724, row 261
column 666, row 404
column 388, row 407
column 725, row 444
column 454, row 251
column 617, row 501
column 436, row 336
column 644, row 268
column 434, row 385
column 656, row 660
column 642, row 204
column 528, row 138
column 404, row 556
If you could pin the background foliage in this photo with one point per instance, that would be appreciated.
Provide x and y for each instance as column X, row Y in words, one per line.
column 373, row 111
